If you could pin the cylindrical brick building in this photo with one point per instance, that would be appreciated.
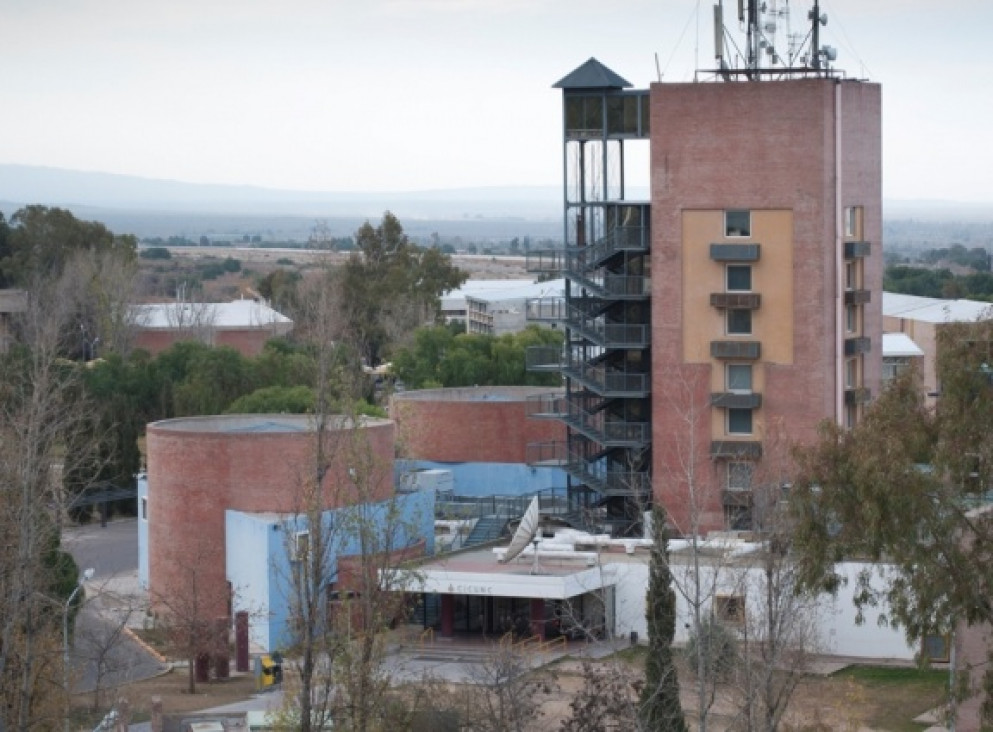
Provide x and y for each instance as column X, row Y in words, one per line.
column 199, row 467
column 478, row 424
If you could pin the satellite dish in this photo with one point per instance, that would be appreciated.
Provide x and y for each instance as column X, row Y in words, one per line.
column 525, row 532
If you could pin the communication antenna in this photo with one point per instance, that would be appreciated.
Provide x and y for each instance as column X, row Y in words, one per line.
column 526, row 532
column 755, row 54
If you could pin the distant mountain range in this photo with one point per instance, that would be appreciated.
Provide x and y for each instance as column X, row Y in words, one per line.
column 23, row 184
column 149, row 207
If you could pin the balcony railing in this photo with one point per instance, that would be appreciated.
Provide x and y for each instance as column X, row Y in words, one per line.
column 612, row 286
column 857, row 249
column 606, row 334
column 601, row 428
column 736, row 400
column 745, row 350
column 736, row 449
column 738, row 300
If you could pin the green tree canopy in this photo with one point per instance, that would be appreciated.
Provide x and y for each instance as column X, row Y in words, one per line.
column 39, row 241
column 909, row 486
column 439, row 356
column 389, row 287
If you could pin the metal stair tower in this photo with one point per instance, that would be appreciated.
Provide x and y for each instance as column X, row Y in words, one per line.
column 605, row 313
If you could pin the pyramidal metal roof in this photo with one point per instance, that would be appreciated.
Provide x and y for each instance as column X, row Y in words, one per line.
column 592, row 75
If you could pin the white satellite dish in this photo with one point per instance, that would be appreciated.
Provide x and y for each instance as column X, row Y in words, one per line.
column 525, row 532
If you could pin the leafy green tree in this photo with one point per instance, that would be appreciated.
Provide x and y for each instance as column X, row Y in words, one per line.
column 39, row 241
column 279, row 287
column 909, row 486
column 274, row 400
column 216, row 378
column 114, row 423
column 439, row 356
column 390, row 287
column 660, row 708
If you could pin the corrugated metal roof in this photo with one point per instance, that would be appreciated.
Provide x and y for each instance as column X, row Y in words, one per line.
column 236, row 314
column 515, row 290
column 592, row 75
column 900, row 344
column 933, row 309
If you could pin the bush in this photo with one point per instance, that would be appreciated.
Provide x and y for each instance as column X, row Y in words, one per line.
column 155, row 253
column 719, row 646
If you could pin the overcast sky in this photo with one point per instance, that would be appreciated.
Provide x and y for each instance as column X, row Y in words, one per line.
column 396, row 95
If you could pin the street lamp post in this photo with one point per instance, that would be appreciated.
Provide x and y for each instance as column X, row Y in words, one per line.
column 87, row 574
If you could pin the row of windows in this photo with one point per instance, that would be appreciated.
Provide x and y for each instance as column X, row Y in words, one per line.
column 738, row 223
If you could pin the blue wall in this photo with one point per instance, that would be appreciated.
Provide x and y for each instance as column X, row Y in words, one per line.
column 259, row 564
column 488, row 479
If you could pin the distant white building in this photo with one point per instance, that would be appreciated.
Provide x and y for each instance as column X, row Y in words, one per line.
column 496, row 307
column 920, row 319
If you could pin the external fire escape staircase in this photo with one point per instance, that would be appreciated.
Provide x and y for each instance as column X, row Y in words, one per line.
column 605, row 313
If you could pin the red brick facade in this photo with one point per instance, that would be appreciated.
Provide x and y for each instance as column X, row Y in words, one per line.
column 807, row 147
column 487, row 424
column 248, row 341
column 201, row 466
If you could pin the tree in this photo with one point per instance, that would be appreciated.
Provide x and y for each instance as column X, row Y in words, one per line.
column 607, row 701
column 350, row 553
column 508, row 694
column 192, row 635
column 40, row 241
column 779, row 632
column 660, row 707
column 907, row 488
column 389, row 287
column 41, row 409
column 443, row 355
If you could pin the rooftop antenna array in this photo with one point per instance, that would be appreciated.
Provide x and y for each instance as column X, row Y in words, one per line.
column 751, row 51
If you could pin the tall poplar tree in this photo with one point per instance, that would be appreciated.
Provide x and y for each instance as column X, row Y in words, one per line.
column 660, row 707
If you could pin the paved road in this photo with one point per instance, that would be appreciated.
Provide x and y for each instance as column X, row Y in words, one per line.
column 102, row 649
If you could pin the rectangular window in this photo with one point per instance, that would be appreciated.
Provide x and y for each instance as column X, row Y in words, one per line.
column 737, row 223
column 301, row 546
column 853, row 222
column 739, row 378
column 729, row 609
column 893, row 366
column 144, row 508
column 739, row 421
column 851, row 373
column 584, row 115
column 851, row 416
column 852, row 318
column 936, row 648
column 738, row 518
column 740, row 476
column 739, row 321
column 739, row 278
column 851, row 276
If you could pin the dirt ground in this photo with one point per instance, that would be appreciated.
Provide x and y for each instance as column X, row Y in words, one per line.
column 819, row 704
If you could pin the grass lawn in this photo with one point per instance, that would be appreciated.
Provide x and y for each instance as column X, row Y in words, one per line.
column 892, row 697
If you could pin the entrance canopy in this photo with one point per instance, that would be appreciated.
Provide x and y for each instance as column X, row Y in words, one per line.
column 476, row 572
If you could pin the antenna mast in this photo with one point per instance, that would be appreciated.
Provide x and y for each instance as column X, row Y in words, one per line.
column 756, row 56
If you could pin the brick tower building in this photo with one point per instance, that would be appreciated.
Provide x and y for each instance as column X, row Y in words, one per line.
column 735, row 309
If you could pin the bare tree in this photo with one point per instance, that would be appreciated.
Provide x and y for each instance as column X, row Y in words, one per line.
column 104, row 285
column 607, row 701
column 40, row 410
column 508, row 693
column 780, row 619
column 348, row 532
column 689, row 477
column 100, row 643
column 186, row 616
